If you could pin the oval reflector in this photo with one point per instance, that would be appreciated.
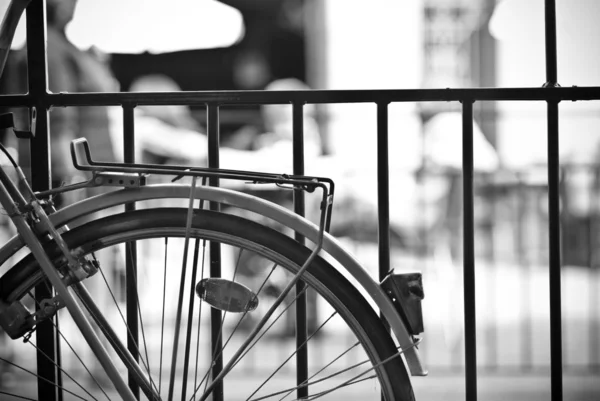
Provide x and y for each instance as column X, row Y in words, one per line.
column 226, row 295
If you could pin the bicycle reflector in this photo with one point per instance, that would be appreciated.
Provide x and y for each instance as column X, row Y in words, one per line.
column 226, row 295
column 406, row 291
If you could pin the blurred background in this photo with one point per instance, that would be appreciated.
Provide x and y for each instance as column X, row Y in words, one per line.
column 389, row 44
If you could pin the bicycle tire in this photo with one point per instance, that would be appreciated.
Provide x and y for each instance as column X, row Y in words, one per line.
column 245, row 234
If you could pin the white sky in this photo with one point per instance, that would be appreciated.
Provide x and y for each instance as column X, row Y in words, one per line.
column 125, row 26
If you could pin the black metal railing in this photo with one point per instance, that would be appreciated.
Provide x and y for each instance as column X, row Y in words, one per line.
column 38, row 97
column 511, row 225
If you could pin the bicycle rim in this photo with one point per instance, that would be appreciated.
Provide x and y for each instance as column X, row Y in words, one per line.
column 350, row 354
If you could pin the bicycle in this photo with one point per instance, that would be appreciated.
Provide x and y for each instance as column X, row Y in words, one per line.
column 69, row 259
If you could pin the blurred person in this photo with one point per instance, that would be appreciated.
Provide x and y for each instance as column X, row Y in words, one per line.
column 251, row 70
column 163, row 133
column 268, row 145
column 73, row 70
column 174, row 115
column 69, row 70
column 425, row 195
column 441, row 178
column 278, row 122
column 443, row 161
column 169, row 132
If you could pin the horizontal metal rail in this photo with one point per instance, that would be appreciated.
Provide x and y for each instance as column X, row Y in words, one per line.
column 313, row 96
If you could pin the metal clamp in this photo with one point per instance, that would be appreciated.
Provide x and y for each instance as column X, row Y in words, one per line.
column 7, row 120
column 48, row 308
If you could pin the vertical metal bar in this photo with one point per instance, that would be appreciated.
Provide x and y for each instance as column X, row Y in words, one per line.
column 299, row 208
column 469, row 253
column 554, row 207
column 555, row 255
column 594, row 298
column 383, row 190
column 550, row 34
column 566, row 174
column 47, row 339
column 131, row 256
column 525, row 279
column 212, row 122
column 424, row 247
column 492, row 293
column 383, row 195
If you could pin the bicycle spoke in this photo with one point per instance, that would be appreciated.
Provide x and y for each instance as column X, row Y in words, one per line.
column 40, row 377
column 267, row 264
column 218, row 353
column 199, row 320
column 135, row 282
column 265, row 331
column 119, row 310
column 124, row 321
column 201, row 207
column 188, row 337
column 56, row 365
column 113, row 339
column 84, row 366
column 73, row 350
column 256, row 340
column 352, row 380
column 347, row 384
column 17, row 396
column 245, row 313
column 235, row 358
column 186, row 243
column 162, row 319
column 322, row 369
column 291, row 356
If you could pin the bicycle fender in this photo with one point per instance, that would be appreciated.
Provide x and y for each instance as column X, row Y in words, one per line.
column 262, row 207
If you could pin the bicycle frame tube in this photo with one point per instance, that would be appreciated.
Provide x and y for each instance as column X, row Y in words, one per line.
column 9, row 26
column 30, row 239
column 244, row 201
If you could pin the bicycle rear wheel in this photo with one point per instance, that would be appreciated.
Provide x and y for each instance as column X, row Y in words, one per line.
column 351, row 355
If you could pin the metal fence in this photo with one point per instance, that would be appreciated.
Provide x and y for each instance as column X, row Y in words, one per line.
column 38, row 98
column 511, row 250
